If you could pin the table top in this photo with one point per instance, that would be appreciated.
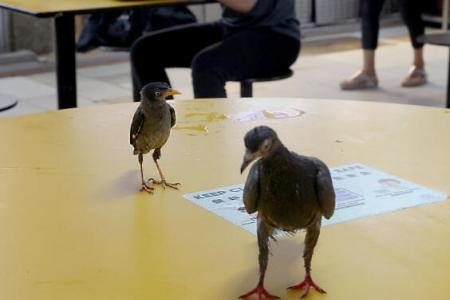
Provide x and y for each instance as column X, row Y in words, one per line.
column 74, row 226
column 49, row 8
column 441, row 38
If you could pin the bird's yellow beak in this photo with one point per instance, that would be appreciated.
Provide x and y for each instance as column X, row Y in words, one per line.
column 248, row 158
column 170, row 92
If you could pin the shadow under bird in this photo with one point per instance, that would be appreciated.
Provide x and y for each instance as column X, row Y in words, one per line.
column 289, row 192
column 150, row 128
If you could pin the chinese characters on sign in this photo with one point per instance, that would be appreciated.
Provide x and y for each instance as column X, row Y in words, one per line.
column 360, row 191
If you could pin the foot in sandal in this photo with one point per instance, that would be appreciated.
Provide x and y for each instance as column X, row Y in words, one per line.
column 360, row 81
column 416, row 77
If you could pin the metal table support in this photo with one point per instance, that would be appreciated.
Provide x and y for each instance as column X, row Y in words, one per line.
column 66, row 61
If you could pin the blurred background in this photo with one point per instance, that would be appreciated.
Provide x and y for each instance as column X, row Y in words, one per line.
column 330, row 53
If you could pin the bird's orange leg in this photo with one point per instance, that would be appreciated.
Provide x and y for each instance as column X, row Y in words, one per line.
column 264, row 231
column 163, row 182
column 306, row 285
column 145, row 186
column 312, row 235
column 260, row 291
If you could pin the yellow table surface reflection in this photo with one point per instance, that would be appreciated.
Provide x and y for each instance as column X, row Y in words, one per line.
column 74, row 226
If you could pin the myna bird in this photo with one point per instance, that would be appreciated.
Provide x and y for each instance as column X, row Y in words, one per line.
column 151, row 126
column 289, row 192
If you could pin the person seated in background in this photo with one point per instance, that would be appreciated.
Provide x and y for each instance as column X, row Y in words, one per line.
column 370, row 13
column 253, row 38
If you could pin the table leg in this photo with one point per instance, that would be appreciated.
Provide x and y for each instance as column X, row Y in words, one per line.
column 448, row 82
column 65, row 61
column 445, row 15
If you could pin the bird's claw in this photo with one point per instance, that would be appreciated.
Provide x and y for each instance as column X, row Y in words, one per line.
column 164, row 183
column 306, row 285
column 261, row 292
column 147, row 187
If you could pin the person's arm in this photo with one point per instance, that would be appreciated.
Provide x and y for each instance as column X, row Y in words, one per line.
column 242, row 6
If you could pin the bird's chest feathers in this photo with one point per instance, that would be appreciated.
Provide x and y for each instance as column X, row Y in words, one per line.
column 277, row 181
column 156, row 127
column 285, row 203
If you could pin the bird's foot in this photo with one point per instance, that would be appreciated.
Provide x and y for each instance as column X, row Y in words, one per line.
column 261, row 292
column 164, row 183
column 147, row 187
column 306, row 285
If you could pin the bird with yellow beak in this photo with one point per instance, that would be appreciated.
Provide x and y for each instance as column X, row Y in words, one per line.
column 150, row 128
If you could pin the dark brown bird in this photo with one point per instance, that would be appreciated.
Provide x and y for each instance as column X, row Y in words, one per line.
column 150, row 128
column 289, row 192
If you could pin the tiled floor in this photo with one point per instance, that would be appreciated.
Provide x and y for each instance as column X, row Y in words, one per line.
column 318, row 71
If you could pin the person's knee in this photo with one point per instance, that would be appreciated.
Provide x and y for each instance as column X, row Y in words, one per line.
column 370, row 11
column 208, row 78
column 137, row 50
column 204, row 64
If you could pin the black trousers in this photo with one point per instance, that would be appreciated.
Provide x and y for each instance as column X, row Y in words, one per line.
column 370, row 12
column 214, row 56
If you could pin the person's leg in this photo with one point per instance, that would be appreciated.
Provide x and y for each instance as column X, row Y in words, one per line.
column 94, row 32
column 173, row 47
column 246, row 54
column 411, row 13
column 370, row 26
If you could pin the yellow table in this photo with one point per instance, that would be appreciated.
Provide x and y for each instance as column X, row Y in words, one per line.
column 63, row 12
column 74, row 226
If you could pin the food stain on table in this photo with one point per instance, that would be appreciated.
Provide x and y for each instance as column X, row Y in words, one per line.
column 208, row 117
column 283, row 114
column 266, row 113
column 194, row 127
column 196, row 122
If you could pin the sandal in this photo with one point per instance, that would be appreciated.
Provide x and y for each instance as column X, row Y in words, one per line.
column 416, row 77
column 359, row 81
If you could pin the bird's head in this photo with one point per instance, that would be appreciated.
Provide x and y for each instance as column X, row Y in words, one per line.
column 261, row 141
column 157, row 91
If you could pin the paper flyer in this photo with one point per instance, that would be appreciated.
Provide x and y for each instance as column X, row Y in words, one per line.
column 360, row 191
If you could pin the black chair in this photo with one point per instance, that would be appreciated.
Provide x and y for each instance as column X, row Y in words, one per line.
column 247, row 84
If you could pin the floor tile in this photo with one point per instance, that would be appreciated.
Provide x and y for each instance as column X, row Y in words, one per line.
column 23, row 87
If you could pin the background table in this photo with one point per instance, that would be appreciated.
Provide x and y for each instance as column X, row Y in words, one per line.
column 63, row 12
column 74, row 226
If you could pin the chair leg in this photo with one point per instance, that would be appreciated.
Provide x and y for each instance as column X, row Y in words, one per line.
column 246, row 89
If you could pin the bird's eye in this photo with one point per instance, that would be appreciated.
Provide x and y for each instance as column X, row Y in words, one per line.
column 157, row 93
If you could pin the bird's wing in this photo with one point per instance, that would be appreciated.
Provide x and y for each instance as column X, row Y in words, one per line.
column 136, row 125
column 173, row 117
column 324, row 189
column 252, row 188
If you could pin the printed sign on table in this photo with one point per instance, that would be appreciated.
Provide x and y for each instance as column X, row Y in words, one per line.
column 360, row 191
